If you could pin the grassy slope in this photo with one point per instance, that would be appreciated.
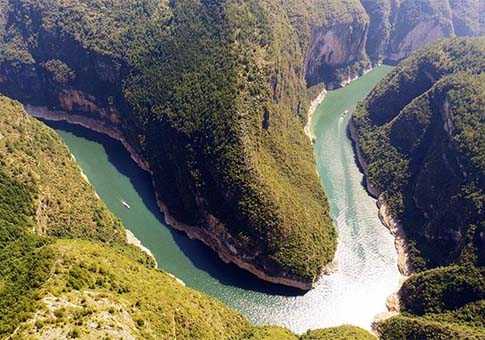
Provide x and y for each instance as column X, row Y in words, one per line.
column 96, row 291
column 338, row 333
column 37, row 170
column 33, row 156
column 42, row 276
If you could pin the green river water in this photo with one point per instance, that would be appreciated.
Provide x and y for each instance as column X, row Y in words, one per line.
column 366, row 259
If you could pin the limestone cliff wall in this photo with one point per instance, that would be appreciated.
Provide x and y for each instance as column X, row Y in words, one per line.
column 379, row 30
column 336, row 53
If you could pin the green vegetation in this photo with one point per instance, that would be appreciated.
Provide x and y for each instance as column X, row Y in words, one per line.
column 219, row 81
column 40, row 190
column 61, row 73
column 33, row 155
column 442, row 289
column 78, row 283
column 403, row 137
column 403, row 327
column 96, row 291
column 270, row 333
column 213, row 95
column 421, row 132
column 335, row 333
column 24, row 262
column 339, row 333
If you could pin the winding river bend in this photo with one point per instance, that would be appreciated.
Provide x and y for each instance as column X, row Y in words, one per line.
column 366, row 259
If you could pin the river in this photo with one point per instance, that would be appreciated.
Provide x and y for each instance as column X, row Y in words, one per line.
column 366, row 258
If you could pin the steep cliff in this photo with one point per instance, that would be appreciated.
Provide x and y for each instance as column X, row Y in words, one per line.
column 421, row 139
column 417, row 24
column 341, row 38
column 333, row 37
column 382, row 14
column 398, row 28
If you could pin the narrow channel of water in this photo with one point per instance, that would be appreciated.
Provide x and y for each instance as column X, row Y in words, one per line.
column 367, row 261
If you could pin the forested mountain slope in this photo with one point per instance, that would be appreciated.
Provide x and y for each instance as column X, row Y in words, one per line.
column 420, row 132
column 66, row 269
column 420, row 136
column 212, row 94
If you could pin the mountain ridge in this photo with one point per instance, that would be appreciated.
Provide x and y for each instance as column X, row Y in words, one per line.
column 419, row 137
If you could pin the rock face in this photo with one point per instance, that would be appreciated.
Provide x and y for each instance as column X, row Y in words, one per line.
column 381, row 13
column 335, row 53
column 333, row 36
column 425, row 152
column 417, row 24
column 340, row 43
column 398, row 28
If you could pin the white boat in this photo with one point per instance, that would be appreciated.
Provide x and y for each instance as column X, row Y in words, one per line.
column 344, row 113
column 125, row 204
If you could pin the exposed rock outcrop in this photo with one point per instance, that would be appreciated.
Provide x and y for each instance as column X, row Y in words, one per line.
column 398, row 28
column 336, row 53
column 388, row 30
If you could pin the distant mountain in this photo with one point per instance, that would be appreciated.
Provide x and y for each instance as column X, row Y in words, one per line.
column 400, row 27
column 342, row 38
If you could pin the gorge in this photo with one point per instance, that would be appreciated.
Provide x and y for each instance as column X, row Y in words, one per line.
column 210, row 98
column 366, row 274
column 225, row 82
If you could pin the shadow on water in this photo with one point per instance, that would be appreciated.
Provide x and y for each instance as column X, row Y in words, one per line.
column 363, row 181
column 199, row 255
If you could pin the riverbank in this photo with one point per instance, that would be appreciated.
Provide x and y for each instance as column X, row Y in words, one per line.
column 96, row 125
column 321, row 97
column 215, row 237
column 367, row 272
column 351, row 79
column 394, row 226
column 311, row 111
column 131, row 239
